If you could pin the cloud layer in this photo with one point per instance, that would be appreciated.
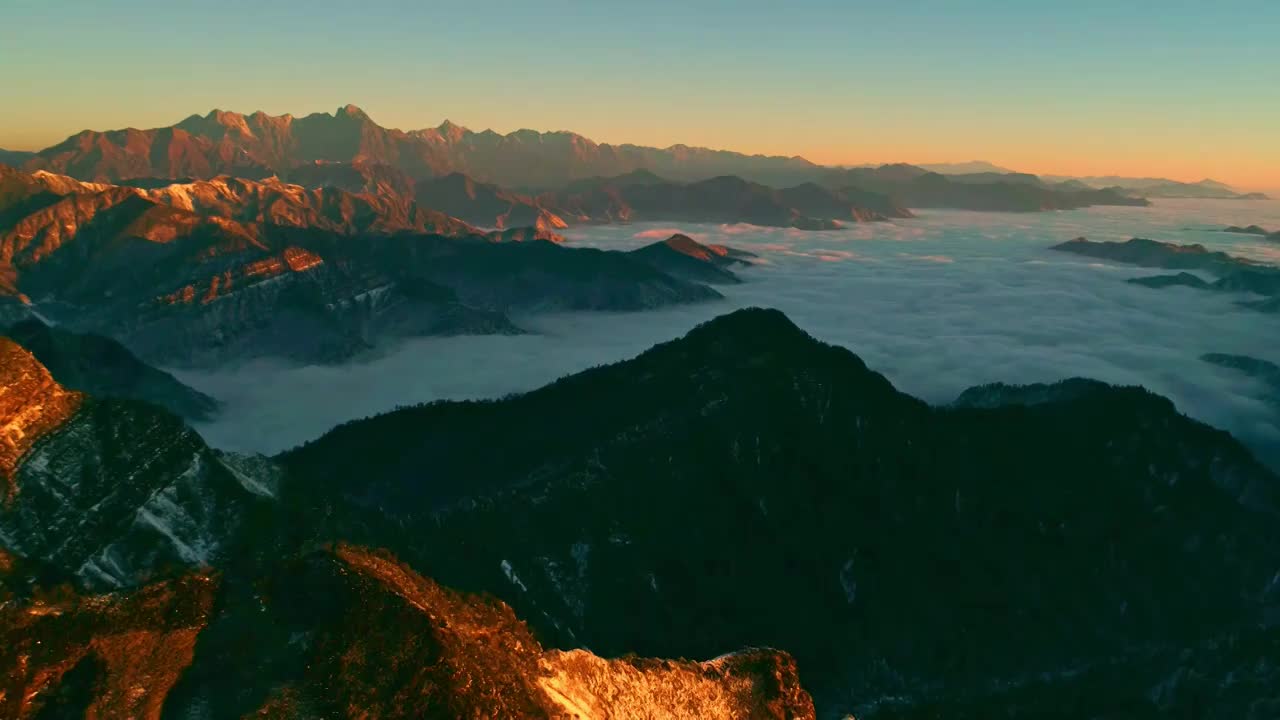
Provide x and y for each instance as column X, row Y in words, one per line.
column 938, row 303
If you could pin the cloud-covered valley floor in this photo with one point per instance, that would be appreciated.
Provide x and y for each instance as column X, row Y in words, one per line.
column 938, row 303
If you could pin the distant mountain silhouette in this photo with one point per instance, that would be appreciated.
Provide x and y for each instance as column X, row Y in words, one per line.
column 1234, row 274
column 643, row 196
column 343, row 148
column 918, row 188
column 258, row 145
column 965, row 168
column 1151, row 187
column 1253, row 230
column 15, row 157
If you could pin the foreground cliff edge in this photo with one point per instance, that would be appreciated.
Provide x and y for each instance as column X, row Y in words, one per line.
column 742, row 486
column 375, row 640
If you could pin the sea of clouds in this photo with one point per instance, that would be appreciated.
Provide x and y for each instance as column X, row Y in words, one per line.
column 938, row 303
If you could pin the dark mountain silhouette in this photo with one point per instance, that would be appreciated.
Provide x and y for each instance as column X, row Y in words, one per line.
column 748, row 485
column 1184, row 279
column 1207, row 189
column 1153, row 253
column 15, row 157
column 1253, row 230
column 1263, row 370
column 643, row 196
column 637, row 196
column 1234, row 274
column 1150, row 187
column 917, row 188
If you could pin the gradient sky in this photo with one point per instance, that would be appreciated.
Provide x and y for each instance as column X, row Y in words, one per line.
column 1173, row 88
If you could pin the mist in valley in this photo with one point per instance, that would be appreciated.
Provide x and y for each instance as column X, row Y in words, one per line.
column 938, row 303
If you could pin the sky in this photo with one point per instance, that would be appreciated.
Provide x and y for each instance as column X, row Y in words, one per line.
column 1174, row 88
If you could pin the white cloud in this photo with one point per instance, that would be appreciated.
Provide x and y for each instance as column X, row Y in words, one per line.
column 938, row 303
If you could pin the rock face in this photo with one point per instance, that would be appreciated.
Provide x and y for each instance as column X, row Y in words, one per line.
column 102, row 367
column 261, row 145
column 374, row 640
column 110, row 492
column 746, row 485
column 67, row 655
column 32, row 405
column 227, row 270
column 682, row 256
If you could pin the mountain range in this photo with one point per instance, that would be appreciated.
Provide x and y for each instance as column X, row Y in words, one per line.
column 916, row 187
column 1234, row 274
column 742, row 486
column 347, row 149
column 206, row 272
column 1147, row 187
column 261, row 145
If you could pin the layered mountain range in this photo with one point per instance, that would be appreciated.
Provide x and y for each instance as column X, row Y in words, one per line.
column 742, row 486
column 641, row 196
column 1233, row 274
column 1254, row 230
column 1006, row 192
column 260, row 145
column 1148, row 187
column 505, row 177
column 229, row 269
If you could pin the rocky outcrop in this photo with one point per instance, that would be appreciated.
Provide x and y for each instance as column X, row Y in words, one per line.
column 32, row 406
column 113, row 656
column 110, row 492
column 391, row 643
column 356, row 635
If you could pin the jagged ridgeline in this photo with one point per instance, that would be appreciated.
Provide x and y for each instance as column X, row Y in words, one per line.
column 1065, row 551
